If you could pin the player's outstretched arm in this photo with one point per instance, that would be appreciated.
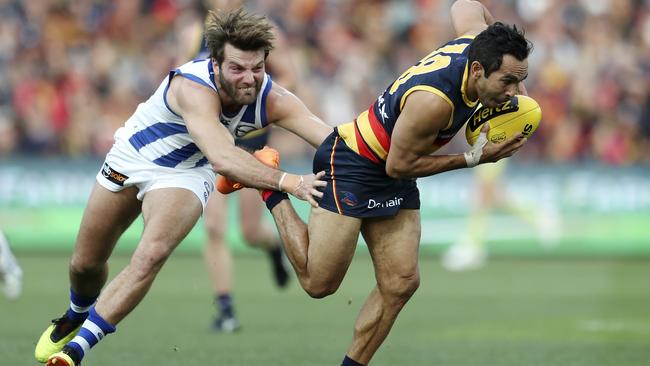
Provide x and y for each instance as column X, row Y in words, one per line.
column 199, row 106
column 413, row 140
column 289, row 112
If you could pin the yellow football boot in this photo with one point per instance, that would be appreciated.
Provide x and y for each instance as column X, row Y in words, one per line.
column 60, row 332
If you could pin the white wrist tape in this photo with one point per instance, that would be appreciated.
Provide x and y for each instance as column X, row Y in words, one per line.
column 284, row 175
column 473, row 157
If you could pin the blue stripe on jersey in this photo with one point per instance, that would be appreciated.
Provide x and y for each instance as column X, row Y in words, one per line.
column 265, row 93
column 249, row 114
column 177, row 156
column 201, row 162
column 155, row 132
column 169, row 82
column 193, row 78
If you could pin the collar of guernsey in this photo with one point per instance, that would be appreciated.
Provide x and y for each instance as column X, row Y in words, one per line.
column 369, row 137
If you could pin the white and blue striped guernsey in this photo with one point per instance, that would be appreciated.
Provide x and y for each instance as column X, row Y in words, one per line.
column 160, row 135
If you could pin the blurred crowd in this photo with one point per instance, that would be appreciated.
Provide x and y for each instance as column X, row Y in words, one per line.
column 72, row 71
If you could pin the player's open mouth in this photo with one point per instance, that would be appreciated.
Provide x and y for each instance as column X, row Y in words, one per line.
column 247, row 90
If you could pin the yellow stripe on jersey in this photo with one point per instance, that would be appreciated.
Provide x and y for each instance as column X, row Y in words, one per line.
column 468, row 102
column 346, row 131
column 369, row 136
column 433, row 90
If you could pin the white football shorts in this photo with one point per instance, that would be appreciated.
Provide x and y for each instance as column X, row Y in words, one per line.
column 125, row 167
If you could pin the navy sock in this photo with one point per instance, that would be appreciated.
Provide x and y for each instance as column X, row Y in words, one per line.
column 225, row 305
column 272, row 198
column 347, row 361
column 79, row 307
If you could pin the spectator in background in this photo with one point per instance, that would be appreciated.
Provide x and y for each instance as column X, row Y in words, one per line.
column 594, row 109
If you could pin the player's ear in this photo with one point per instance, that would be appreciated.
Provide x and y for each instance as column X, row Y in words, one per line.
column 476, row 70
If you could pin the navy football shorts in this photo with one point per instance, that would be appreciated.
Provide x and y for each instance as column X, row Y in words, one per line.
column 358, row 187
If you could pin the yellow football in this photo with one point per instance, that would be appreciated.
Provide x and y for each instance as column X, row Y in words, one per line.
column 519, row 114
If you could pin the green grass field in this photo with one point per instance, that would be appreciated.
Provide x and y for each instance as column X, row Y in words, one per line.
column 513, row 312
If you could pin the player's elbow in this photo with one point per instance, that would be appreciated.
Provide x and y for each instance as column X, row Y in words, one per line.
column 224, row 160
column 397, row 170
column 223, row 166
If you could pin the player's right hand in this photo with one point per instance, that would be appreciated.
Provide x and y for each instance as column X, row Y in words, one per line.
column 306, row 187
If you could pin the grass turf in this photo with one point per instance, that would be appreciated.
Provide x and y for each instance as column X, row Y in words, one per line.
column 513, row 312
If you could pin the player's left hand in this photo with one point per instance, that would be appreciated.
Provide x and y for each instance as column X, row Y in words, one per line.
column 306, row 187
column 493, row 152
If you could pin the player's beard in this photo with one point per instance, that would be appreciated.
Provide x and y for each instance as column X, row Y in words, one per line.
column 232, row 91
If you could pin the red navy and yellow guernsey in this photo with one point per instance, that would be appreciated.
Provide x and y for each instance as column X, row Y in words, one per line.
column 354, row 156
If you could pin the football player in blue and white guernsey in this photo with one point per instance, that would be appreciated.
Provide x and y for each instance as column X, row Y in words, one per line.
column 371, row 164
column 163, row 165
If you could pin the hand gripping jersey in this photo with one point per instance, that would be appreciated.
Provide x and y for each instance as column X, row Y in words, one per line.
column 160, row 135
column 443, row 72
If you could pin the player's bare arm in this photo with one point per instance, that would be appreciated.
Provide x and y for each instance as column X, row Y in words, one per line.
column 470, row 17
column 199, row 106
column 289, row 112
column 412, row 142
column 423, row 116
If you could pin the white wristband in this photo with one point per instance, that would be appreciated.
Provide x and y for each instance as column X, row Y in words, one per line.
column 284, row 175
column 473, row 157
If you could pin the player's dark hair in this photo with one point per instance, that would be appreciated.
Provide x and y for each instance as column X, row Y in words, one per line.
column 242, row 30
column 495, row 41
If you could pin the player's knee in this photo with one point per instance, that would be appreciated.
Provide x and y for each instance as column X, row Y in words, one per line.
column 401, row 287
column 318, row 290
column 252, row 237
column 84, row 267
column 216, row 232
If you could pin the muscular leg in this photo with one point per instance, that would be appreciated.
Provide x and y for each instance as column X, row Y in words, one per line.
column 169, row 215
column 393, row 244
column 320, row 252
column 106, row 217
column 217, row 254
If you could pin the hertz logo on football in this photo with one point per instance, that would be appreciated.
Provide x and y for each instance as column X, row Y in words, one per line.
column 519, row 114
